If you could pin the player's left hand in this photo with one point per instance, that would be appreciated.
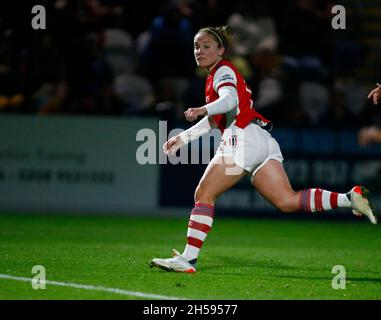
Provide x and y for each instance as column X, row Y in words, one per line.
column 172, row 145
column 193, row 113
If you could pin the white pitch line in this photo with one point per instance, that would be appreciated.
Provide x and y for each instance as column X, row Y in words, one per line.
column 95, row 288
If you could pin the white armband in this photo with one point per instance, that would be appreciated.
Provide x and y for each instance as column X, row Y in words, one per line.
column 200, row 128
column 227, row 101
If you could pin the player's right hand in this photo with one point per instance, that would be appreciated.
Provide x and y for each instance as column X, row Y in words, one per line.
column 172, row 145
column 191, row 114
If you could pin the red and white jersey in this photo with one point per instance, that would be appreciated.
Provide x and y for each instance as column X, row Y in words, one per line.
column 225, row 74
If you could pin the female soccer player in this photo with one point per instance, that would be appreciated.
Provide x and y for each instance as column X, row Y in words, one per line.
column 245, row 149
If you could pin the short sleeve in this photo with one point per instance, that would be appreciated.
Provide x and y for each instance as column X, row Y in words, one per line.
column 224, row 76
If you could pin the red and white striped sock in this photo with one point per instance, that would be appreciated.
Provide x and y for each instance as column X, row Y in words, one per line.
column 200, row 223
column 312, row 200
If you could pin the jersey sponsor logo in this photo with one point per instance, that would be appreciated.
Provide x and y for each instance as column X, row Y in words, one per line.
column 225, row 77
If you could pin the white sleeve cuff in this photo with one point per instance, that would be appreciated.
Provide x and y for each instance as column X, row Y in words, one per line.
column 200, row 128
column 224, row 76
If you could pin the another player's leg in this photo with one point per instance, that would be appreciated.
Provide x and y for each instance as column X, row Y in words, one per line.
column 214, row 182
column 272, row 176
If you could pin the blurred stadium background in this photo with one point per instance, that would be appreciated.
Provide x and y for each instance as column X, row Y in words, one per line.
column 74, row 96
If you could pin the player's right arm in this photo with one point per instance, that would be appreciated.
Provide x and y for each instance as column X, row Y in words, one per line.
column 202, row 127
column 375, row 94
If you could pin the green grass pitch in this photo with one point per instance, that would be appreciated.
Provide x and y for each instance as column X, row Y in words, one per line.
column 244, row 259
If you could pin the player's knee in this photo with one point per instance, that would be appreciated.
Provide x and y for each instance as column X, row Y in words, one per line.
column 202, row 195
column 199, row 193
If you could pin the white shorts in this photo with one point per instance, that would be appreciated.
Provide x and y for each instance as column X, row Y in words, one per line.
column 250, row 148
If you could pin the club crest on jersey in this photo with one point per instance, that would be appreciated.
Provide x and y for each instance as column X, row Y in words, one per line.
column 231, row 141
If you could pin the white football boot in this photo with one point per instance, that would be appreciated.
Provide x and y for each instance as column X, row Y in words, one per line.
column 177, row 263
column 360, row 203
